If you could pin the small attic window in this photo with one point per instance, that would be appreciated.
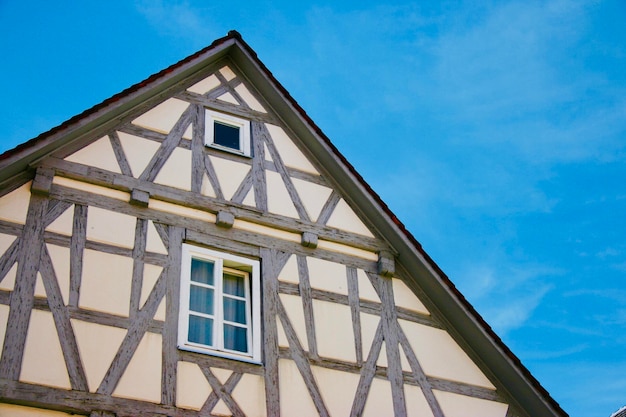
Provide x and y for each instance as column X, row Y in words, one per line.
column 227, row 132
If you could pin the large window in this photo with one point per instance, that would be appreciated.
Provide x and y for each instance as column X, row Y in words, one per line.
column 227, row 132
column 219, row 304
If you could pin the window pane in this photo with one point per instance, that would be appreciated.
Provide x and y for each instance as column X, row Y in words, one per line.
column 202, row 271
column 201, row 299
column 226, row 135
column 235, row 338
column 234, row 284
column 235, row 310
column 201, row 330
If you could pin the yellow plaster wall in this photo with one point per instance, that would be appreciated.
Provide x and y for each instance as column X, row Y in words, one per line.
column 278, row 198
column 14, row 205
column 344, row 218
column 333, row 330
column 163, row 117
column 63, row 224
column 8, row 281
column 313, row 196
column 366, row 289
column 61, row 264
column 97, row 345
column 43, row 361
column 327, row 275
column 379, row 400
column 98, row 154
column 4, row 316
column 142, row 378
column 91, row 188
column 348, row 250
column 416, row 404
column 250, row 100
column 106, row 282
column 138, row 151
column 295, row 312
column 337, row 389
column 153, row 240
column 268, row 231
column 455, row 405
column 288, row 151
column 441, row 357
column 295, row 399
column 204, row 86
column 404, row 297
column 227, row 73
column 182, row 211
column 289, row 273
column 106, row 226
column 9, row 410
column 250, row 395
column 150, row 276
column 192, row 388
column 176, row 172
column 230, row 174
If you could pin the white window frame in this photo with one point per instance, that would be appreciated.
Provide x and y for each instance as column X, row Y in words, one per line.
column 230, row 263
column 242, row 124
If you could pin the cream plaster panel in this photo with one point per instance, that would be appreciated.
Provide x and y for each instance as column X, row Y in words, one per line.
column 98, row 154
column 267, row 231
column 369, row 324
column 63, row 224
column 230, row 174
column 250, row 100
column 379, row 400
column 139, row 151
column 227, row 73
column 366, row 289
column 192, row 388
column 404, row 297
column 295, row 312
column 142, row 378
column 268, row 156
column 249, row 200
column 153, row 240
column 348, row 250
column 327, row 275
column 40, row 290
column 61, row 264
column 222, row 375
column 250, row 395
column 43, row 361
column 106, row 282
column 344, row 218
column 150, row 276
column 163, row 117
column 4, row 316
column 206, row 188
column 8, row 410
column 454, row 405
column 288, row 151
column 14, row 205
column 289, row 273
column 97, row 345
column 441, row 357
column 181, row 210
column 90, row 188
column 204, row 86
column 278, row 198
column 337, row 389
column 177, row 170
column 313, row 196
column 333, row 331
column 281, row 335
column 221, row 409
column 416, row 404
column 227, row 97
column 106, row 226
column 8, row 281
column 295, row 399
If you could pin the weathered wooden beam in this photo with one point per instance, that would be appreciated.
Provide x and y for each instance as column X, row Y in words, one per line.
column 259, row 177
column 22, row 297
column 120, row 155
column 139, row 198
column 386, row 264
column 309, row 240
column 214, row 398
column 222, row 393
column 355, row 312
column 42, row 181
column 304, row 287
column 77, row 249
column 225, row 219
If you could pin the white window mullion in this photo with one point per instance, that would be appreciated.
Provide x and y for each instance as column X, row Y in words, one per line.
column 219, row 304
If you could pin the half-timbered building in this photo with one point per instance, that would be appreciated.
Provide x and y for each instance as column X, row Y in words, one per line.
column 196, row 246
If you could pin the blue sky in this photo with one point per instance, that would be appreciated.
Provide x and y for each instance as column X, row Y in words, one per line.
column 496, row 133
